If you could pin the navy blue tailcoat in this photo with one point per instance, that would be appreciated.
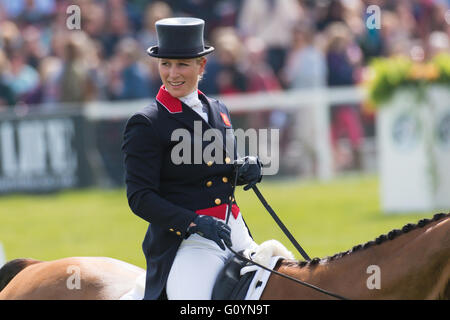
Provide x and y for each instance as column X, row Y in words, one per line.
column 170, row 195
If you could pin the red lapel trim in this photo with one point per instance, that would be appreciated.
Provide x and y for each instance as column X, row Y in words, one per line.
column 173, row 105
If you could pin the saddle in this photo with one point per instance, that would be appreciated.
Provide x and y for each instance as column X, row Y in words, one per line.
column 230, row 285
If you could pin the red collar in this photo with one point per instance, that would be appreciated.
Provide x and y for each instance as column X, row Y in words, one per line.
column 173, row 105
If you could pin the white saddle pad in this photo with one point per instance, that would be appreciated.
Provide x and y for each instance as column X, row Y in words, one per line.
column 260, row 279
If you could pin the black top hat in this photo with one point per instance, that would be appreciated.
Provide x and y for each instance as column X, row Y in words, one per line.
column 180, row 38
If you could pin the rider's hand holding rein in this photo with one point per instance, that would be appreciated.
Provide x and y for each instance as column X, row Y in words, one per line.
column 211, row 229
column 249, row 171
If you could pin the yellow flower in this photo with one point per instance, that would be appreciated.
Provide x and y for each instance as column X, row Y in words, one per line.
column 416, row 72
column 431, row 72
column 427, row 72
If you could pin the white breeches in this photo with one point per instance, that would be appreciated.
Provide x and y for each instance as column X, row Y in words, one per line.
column 199, row 260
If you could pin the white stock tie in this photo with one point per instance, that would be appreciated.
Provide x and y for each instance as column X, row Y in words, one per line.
column 194, row 102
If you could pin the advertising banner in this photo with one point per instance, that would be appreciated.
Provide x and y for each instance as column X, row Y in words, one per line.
column 42, row 153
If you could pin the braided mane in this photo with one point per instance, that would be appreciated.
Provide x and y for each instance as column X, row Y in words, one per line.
column 381, row 239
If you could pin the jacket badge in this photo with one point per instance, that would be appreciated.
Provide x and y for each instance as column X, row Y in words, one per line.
column 225, row 119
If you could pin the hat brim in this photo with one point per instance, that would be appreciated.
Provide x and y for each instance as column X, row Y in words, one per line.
column 153, row 52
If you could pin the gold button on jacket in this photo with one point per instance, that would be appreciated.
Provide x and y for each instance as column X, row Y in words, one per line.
column 218, row 201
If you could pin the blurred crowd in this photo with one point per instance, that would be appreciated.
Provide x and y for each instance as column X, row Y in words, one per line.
column 260, row 45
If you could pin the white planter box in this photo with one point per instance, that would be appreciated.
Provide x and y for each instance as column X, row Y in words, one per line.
column 414, row 151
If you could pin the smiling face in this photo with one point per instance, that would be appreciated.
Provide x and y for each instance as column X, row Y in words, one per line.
column 180, row 76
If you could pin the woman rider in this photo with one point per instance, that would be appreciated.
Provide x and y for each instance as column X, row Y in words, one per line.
column 184, row 200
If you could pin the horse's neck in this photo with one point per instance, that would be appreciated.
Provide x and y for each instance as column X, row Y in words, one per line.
column 413, row 260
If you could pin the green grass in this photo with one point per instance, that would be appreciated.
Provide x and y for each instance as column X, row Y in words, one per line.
column 325, row 218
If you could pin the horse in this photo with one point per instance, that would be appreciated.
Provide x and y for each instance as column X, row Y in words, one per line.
column 73, row 278
column 408, row 263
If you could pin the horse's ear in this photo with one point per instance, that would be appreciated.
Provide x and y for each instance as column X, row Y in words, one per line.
column 12, row 268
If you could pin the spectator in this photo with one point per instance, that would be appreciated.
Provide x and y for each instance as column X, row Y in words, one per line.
column 10, row 36
column 368, row 39
column 117, row 29
column 230, row 78
column 35, row 12
column 29, row 11
column 98, row 71
column 130, row 79
column 94, row 21
column 343, row 58
column 330, row 11
column 154, row 12
column 47, row 91
column 21, row 77
column 260, row 76
column 204, row 9
column 305, row 68
column 7, row 96
column 34, row 48
column 209, row 84
column 395, row 40
column 226, row 13
column 75, row 84
column 306, row 65
column 272, row 21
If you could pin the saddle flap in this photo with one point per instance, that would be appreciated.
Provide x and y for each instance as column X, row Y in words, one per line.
column 230, row 285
